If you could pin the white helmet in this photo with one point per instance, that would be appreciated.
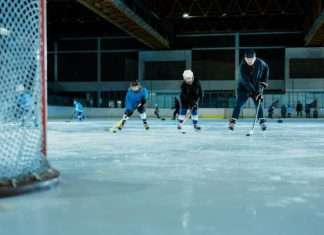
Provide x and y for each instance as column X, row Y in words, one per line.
column 188, row 75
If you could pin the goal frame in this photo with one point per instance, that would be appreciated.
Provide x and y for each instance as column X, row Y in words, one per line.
column 47, row 177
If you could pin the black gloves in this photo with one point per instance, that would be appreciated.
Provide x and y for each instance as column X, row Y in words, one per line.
column 193, row 104
column 143, row 101
column 258, row 97
column 263, row 85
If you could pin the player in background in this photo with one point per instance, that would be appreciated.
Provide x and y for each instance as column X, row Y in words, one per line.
column 157, row 112
column 289, row 111
column 299, row 109
column 135, row 100
column 176, row 107
column 254, row 75
column 78, row 110
column 190, row 95
column 24, row 104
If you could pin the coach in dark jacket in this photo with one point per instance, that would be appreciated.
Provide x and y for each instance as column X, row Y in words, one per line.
column 254, row 75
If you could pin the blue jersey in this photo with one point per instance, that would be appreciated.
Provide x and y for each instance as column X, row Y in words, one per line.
column 134, row 98
column 24, row 100
column 78, row 107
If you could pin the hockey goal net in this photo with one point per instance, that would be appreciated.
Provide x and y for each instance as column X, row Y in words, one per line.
column 23, row 114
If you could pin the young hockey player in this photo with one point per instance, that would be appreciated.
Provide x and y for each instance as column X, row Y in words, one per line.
column 135, row 100
column 254, row 74
column 78, row 110
column 24, row 104
column 191, row 93
column 176, row 107
column 157, row 112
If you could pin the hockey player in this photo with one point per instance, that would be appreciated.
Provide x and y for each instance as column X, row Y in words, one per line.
column 24, row 104
column 191, row 93
column 289, row 111
column 78, row 110
column 176, row 107
column 254, row 74
column 299, row 109
column 135, row 100
column 157, row 112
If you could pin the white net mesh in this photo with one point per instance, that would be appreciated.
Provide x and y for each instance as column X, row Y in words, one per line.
column 21, row 137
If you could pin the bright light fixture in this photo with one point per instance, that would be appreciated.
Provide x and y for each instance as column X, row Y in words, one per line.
column 185, row 15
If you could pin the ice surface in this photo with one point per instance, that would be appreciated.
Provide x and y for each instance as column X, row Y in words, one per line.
column 163, row 182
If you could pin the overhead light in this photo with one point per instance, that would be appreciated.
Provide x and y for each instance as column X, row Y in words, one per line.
column 224, row 14
column 185, row 15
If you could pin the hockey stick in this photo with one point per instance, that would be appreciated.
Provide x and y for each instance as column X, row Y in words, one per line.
column 188, row 114
column 117, row 124
column 256, row 116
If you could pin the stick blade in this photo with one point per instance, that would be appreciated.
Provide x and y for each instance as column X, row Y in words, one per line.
column 112, row 130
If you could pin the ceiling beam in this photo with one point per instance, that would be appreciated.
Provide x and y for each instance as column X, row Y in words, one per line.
column 315, row 34
column 117, row 13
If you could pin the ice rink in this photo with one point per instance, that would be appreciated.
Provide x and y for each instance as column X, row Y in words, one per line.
column 213, row 182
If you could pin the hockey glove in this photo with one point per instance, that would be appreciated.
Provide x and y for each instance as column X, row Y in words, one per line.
column 263, row 85
column 258, row 97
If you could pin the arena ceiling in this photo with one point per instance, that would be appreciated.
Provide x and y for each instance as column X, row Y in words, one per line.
column 177, row 17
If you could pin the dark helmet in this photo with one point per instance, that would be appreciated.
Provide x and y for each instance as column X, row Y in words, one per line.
column 134, row 83
column 249, row 53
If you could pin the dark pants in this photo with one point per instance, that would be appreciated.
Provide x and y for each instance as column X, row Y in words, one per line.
column 157, row 114
column 242, row 97
column 308, row 114
column 270, row 115
column 283, row 114
column 194, row 114
column 128, row 113
column 175, row 113
column 140, row 109
column 80, row 115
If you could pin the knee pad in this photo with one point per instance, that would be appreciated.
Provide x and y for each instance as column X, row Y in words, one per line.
column 143, row 116
column 195, row 117
column 181, row 117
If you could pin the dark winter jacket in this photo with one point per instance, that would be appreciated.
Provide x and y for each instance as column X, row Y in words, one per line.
column 190, row 94
column 252, row 76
